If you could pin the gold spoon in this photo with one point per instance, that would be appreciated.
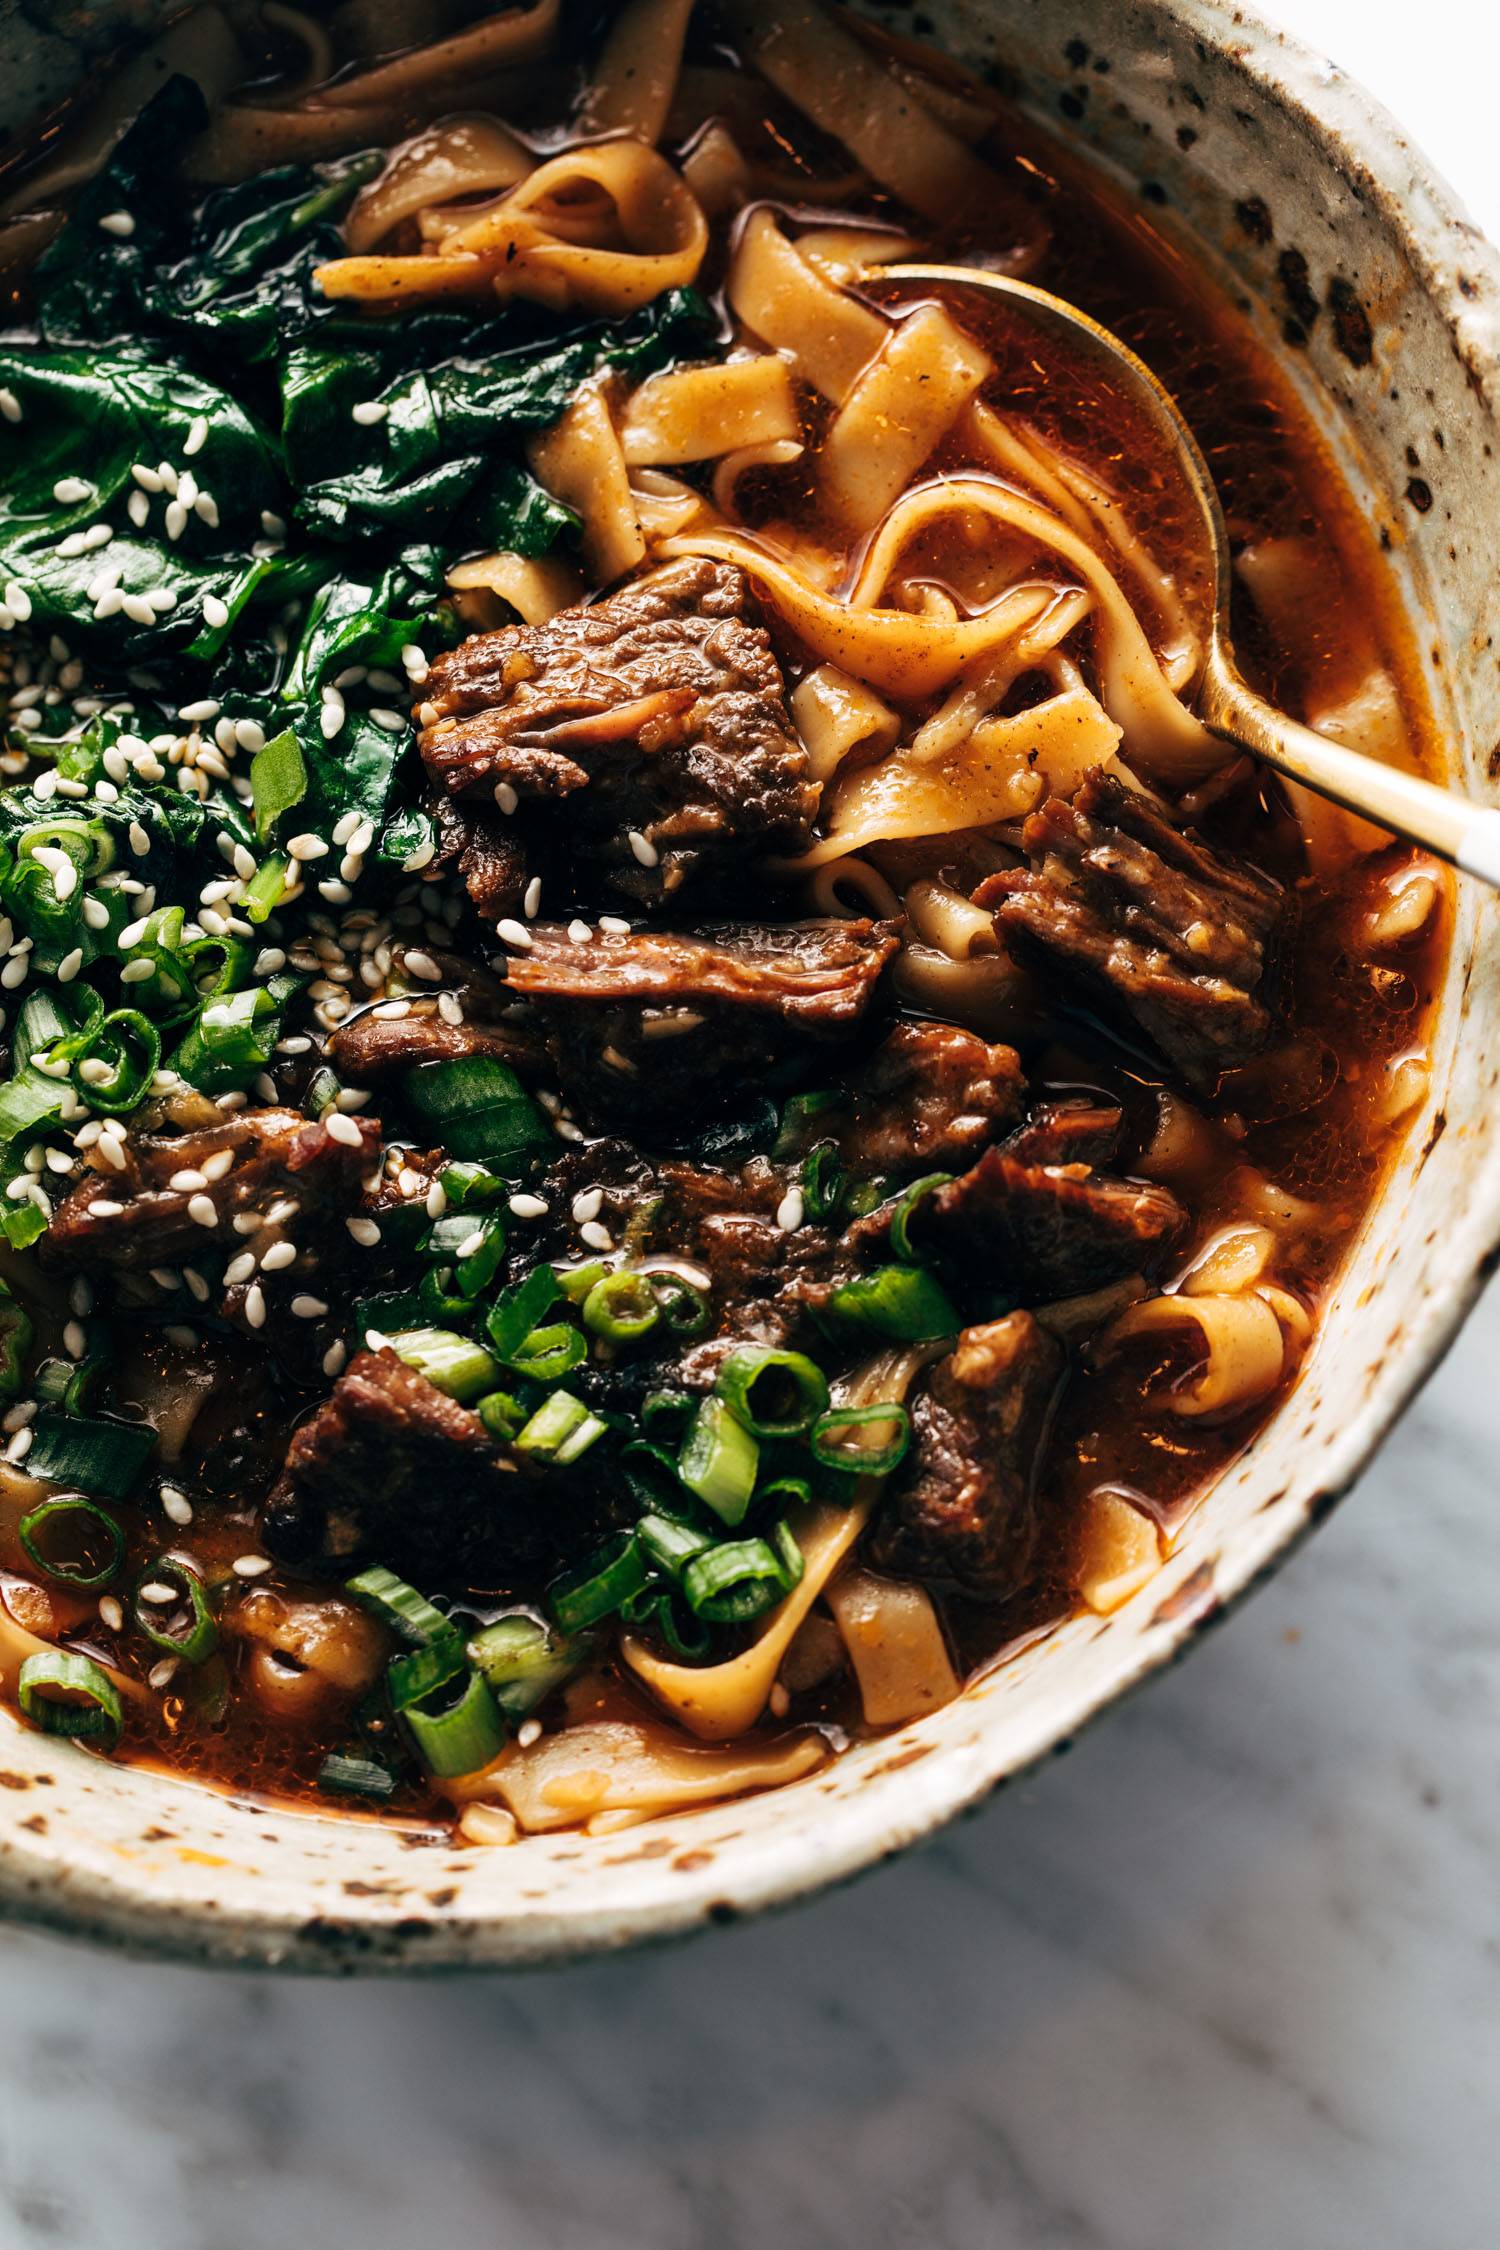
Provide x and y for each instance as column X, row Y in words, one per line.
column 1457, row 830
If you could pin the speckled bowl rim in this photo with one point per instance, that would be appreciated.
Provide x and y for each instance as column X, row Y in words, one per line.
column 125, row 1909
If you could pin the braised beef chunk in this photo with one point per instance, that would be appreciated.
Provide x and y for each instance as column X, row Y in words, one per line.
column 488, row 852
column 1070, row 1130
column 176, row 1197
column 930, row 1095
column 963, row 1506
column 661, row 1025
column 651, row 728
column 394, row 1035
column 1042, row 1231
column 1146, row 923
column 391, row 1468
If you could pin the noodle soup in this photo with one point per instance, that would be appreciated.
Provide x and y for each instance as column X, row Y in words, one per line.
column 661, row 1095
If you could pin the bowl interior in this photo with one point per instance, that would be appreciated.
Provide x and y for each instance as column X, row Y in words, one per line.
column 1287, row 177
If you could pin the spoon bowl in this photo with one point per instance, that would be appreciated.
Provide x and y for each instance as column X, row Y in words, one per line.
column 1441, row 821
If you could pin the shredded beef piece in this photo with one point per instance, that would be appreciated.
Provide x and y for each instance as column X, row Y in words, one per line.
column 1146, row 922
column 372, row 1044
column 963, row 1506
column 929, row 1096
column 391, row 1469
column 1068, row 1131
column 1043, row 1231
column 488, row 853
column 660, row 1025
column 136, row 1218
column 659, row 712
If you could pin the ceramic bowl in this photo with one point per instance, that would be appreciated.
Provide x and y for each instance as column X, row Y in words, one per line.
column 1313, row 204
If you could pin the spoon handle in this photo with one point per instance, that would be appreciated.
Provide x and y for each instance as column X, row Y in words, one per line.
column 1454, row 827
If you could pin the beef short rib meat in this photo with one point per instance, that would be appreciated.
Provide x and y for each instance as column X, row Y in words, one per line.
column 139, row 1218
column 963, row 1508
column 1044, row 1231
column 391, row 1469
column 648, row 732
column 1146, row 923
column 929, row 1096
column 1068, row 1130
column 661, row 1025
column 390, row 1036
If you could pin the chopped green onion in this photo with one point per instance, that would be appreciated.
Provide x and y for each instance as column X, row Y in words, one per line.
column 783, row 1490
column 73, row 1539
column 410, row 1615
column 70, row 1695
column 671, row 1546
column 719, row 1459
column 466, row 1184
column 278, row 781
column 22, row 1224
column 233, row 1038
column 651, row 1473
column 732, row 1583
column 516, row 1311
column 774, row 1393
column 523, row 1662
column 265, row 890
column 447, row 1243
column 603, row 1585
column 905, row 1211
column 102, row 1457
column 322, row 1093
column 454, row 1364
column 860, row 1460
column 466, row 1735
column 900, row 1301
column 664, row 1410
column 684, row 1306
column 549, row 1354
column 656, row 1609
column 622, row 1306
column 477, row 1107
column 197, row 1636
column 575, row 1282
column 388, row 1312
column 798, row 1119
column 356, row 1777
column 420, row 1672
column 128, row 1044
column 562, row 1429
column 501, row 1414
column 823, row 1178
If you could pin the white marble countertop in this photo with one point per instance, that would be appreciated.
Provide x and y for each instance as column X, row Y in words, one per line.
column 1226, row 1978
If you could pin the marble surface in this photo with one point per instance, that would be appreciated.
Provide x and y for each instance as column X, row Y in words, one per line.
column 1226, row 1978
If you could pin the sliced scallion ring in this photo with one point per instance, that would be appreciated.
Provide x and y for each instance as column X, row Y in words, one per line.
column 860, row 1460
column 73, row 1540
column 464, row 1735
column 905, row 1302
column 198, row 1635
column 739, row 1579
column 719, row 1459
column 420, row 1672
column 410, row 1615
column 349, row 1776
column 548, row 1354
column 905, row 1210
column 72, row 1696
column 773, row 1393
column 622, row 1306
column 605, row 1582
column 823, row 1177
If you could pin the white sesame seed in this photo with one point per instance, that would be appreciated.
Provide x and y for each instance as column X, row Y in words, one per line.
column 75, row 1339
column 176, row 1504
column 202, row 1211
column 307, row 846
column 105, row 1210
column 419, row 858
column 369, row 411
column 514, row 933
column 612, row 926
column 364, row 1231
column 239, row 1268
column 195, row 714
column 70, row 964
column 252, row 1566
column 215, row 612
column 308, row 1308
column 587, row 1204
column 529, row 1731
column 505, row 797
column 341, row 1128
column 158, row 1593
column 533, row 898
column 596, row 1236
column 70, row 490
column 10, row 405
column 19, row 1446
column 197, row 436
column 334, row 1358
column 528, row 1207
column 148, row 479
column 255, row 1305
column 390, row 722
column 280, row 1254
column 111, row 1613
column 214, row 1167
column 188, row 1181
column 118, row 223
column 111, row 1148
column 423, row 965
column 162, row 1675
column 644, row 850
column 437, row 1200
column 176, row 519
column 789, row 1211
column 273, row 526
